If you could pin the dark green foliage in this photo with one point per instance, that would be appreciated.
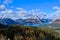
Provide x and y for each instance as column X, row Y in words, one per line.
column 30, row 33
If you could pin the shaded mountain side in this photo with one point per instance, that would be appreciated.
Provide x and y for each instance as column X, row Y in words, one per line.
column 20, row 21
column 3, row 26
column 46, row 21
column 7, row 21
column 29, row 33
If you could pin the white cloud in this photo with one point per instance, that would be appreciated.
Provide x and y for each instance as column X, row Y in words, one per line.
column 56, row 8
column 2, row 7
column 7, row 1
column 38, row 13
column 21, row 13
column 7, row 14
column 56, row 13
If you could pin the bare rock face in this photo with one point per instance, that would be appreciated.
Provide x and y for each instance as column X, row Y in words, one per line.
column 33, row 20
column 57, row 21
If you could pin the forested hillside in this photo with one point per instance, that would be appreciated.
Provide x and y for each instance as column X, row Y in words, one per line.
column 28, row 33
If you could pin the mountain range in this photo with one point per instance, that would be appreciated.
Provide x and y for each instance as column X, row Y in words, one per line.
column 26, row 22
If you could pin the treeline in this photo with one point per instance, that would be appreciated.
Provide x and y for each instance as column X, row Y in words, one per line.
column 29, row 33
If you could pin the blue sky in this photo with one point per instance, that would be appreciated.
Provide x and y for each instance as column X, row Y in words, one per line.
column 45, row 6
